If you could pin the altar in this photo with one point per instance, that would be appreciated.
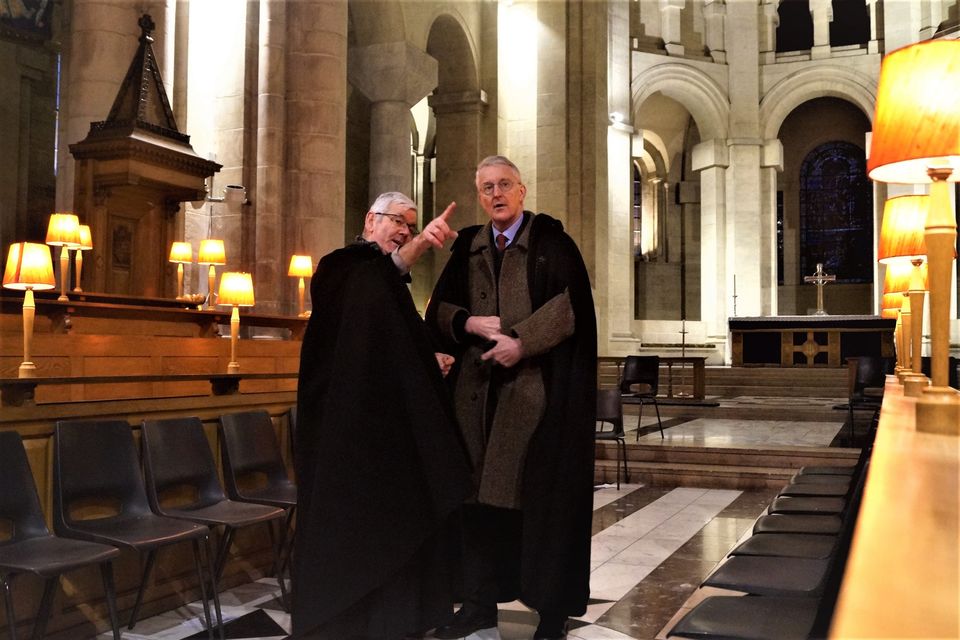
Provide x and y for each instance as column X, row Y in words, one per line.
column 809, row 341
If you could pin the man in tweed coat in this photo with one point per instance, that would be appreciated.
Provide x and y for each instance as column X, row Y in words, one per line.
column 514, row 306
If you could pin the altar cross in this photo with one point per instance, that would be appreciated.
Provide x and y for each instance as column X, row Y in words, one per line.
column 819, row 278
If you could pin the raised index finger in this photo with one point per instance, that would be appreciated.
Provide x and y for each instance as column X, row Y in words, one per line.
column 447, row 212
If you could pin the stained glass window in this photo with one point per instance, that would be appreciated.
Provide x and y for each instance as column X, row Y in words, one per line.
column 836, row 212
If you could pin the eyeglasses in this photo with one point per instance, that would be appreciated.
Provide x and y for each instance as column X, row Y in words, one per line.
column 399, row 221
column 505, row 187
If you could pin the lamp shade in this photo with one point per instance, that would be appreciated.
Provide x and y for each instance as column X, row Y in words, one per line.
column 86, row 239
column 211, row 252
column 301, row 266
column 63, row 230
column 236, row 288
column 918, row 98
column 896, row 282
column 181, row 252
column 901, row 232
column 29, row 266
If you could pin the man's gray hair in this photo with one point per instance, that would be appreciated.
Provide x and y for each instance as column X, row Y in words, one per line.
column 385, row 200
column 491, row 161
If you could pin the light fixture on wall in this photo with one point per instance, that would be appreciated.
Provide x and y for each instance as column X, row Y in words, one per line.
column 300, row 267
column 29, row 268
column 234, row 196
column 181, row 253
column 86, row 244
column 211, row 253
column 902, row 241
column 63, row 230
column 916, row 139
column 236, row 290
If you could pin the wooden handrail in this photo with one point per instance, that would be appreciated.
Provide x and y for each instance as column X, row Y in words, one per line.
column 18, row 392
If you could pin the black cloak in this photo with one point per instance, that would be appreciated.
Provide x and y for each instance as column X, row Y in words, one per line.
column 558, row 474
column 380, row 463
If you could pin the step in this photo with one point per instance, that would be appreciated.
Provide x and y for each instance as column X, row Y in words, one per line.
column 653, row 474
column 742, row 411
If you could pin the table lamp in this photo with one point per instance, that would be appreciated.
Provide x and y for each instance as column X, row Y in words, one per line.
column 63, row 231
column 902, row 241
column 301, row 267
column 29, row 268
column 211, row 253
column 86, row 244
column 896, row 289
column 916, row 139
column 181, row 253
column 236, row 290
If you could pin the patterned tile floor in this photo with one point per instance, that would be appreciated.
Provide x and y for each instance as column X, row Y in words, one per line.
column 651, row 549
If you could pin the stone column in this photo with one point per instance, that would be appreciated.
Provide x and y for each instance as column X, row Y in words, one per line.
column 458, row 142
column 275, row 240
column 670, row 29
column 822, row 13
column 619, row 240
column 394, row 76
column 714, row 14
column 103, row 38
column 771, row 163
column 873, row 46
column 315, row 137
column 711, row 159
column 744, row 229
column 769, row 21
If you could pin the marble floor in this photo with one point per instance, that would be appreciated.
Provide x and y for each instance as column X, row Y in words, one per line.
column 652, row 547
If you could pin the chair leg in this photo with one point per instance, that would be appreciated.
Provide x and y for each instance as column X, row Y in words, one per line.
column 202, row 578
column 106, row 573
column 659, row 422
column 214, row 583
column 46, row 605
column 278, row 562
column 223, row 551
column 289, row 535
column 639, row 418
column 151, row 556
column 626, row 469
column 8, row 605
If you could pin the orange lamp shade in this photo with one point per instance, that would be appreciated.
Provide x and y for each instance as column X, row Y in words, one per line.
column 86, row 239
column 916, row 116
column 901, row 232
column 63, row 230
column 889, row 314
column 236, row 288
column 211, row 252
column 301, row 266
column 181, row 252
column 29, row 266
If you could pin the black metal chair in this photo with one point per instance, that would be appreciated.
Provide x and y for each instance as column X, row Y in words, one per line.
column 749, row 618
column 610, row 410
column 33, row 549
column 97, row 461
column 253, row 469
column 644, row 371
column 177, row 456
column 292, row 430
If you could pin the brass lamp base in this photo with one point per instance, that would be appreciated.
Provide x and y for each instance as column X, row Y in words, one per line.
column 914, row 384
column 938, row 411
column 233, row 367
column 27, row 370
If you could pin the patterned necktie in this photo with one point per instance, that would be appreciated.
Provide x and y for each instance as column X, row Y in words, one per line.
column 501, row 242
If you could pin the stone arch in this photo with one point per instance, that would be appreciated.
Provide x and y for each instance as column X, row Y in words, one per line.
column 824, row 81
column 697, row 92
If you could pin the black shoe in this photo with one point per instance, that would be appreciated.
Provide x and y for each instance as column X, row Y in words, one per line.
column 552, row 628
column 468, row 619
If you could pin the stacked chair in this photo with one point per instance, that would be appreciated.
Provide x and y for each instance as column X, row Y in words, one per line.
column 97, row 461
column 32, row 549
column 790, row 567
column 250, row 451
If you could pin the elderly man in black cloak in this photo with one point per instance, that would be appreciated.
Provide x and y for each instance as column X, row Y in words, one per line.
column 514, row 306
column 381, row 468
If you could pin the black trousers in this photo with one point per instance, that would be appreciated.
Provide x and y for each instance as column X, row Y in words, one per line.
column 491, row 554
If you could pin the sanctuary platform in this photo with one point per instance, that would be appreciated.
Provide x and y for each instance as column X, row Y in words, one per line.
column 809, row 341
